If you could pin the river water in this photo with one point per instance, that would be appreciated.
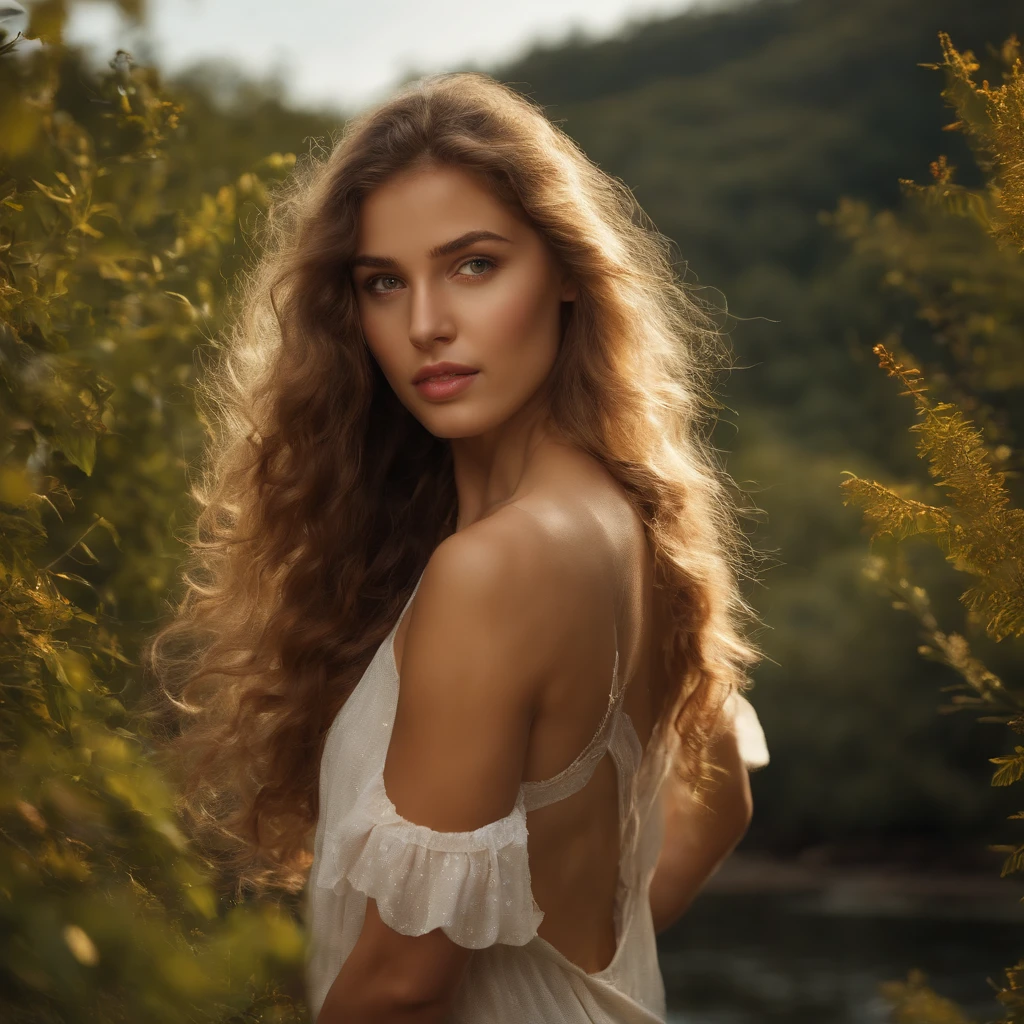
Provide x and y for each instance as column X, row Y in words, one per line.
column 818, row 957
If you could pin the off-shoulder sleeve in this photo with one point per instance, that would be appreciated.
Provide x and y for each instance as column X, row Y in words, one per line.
column 753, row 746
column 474, row 886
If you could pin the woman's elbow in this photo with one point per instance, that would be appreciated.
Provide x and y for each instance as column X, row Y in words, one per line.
column 729, row 814
column 740, row 809
column 746, row 809
column 409, row 1005
column 734, row 803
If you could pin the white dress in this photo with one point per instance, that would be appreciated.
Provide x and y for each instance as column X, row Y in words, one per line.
column 475, row 885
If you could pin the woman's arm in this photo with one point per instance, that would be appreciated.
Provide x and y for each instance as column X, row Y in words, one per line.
column 467, row 695
column 699, row 838
column 395, row 979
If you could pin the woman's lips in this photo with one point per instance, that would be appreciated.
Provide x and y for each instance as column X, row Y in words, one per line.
column 445, row 385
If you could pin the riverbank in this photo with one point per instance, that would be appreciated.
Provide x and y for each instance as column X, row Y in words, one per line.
column 874, row 889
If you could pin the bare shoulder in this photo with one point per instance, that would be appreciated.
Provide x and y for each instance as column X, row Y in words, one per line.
column 469, row 680
column 504, row 577
column 546, row 564
column 497, row 554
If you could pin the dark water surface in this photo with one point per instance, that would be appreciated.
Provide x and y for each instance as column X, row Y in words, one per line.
column 758, row 958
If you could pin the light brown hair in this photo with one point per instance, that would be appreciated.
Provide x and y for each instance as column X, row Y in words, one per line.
column 321, row 497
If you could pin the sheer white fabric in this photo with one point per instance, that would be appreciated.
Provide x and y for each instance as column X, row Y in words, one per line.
column 475, row 885
column 753, row 746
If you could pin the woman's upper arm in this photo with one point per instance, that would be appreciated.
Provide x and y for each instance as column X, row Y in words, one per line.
column 738, row 748
column 697, row 837
column 467, row 694
column 727, row 804
column 469, row 687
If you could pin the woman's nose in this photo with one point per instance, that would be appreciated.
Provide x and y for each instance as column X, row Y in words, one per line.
column 430, row 315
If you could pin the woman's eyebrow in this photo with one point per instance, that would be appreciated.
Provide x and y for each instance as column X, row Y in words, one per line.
column 444, row 249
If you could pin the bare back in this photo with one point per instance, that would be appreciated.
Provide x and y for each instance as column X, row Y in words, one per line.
column 600, row 594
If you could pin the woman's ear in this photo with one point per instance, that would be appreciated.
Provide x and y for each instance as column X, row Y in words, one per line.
column 569, row 290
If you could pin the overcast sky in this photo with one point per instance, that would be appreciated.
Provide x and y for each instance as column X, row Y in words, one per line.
column 347, row 53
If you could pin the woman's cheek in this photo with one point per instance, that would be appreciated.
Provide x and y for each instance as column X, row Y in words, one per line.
column 379, row 338
column 514, row 317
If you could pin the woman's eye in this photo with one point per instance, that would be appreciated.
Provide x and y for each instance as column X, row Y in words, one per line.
column 487, row 264
column 384, row 283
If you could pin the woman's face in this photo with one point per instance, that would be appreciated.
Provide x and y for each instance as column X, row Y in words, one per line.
column 446, row 272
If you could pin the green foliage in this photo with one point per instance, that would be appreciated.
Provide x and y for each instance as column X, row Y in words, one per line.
column 992, row 117
column 111, row 273
column 913, row 1002
column 966, row 297
column 979, row 531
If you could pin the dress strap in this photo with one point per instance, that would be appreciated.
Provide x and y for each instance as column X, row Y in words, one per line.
column 540, row 793
column 571, row 779
column 405, row 607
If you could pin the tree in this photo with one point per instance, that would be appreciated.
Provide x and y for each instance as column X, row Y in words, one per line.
column 112, row 276
column 976, row 314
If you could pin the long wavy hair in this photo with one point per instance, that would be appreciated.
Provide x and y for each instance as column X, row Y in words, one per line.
column 321, row 497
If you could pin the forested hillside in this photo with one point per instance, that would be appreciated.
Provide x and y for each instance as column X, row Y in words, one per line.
column 737, row 130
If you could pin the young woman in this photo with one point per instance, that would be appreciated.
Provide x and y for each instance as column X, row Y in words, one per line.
column 465, row 592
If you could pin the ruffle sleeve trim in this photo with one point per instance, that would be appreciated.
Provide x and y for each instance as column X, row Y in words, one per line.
column 752, row 744
column 474, row 886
